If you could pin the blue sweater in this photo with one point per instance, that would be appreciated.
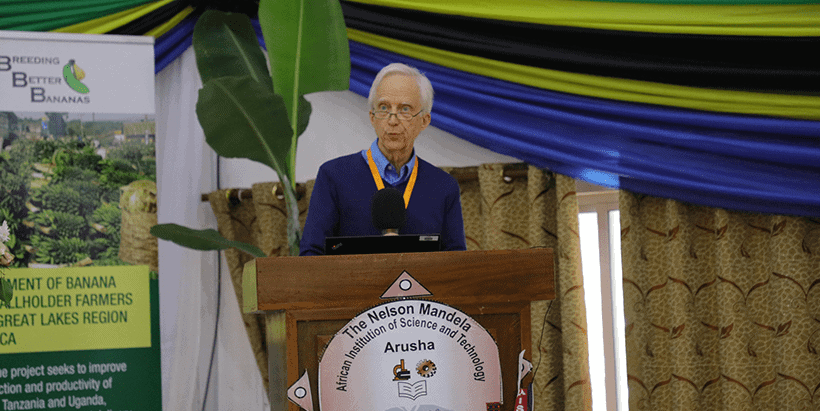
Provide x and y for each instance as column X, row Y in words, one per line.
column 340, row 205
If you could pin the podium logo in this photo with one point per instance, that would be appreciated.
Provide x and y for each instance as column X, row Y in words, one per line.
column 400, row 373
column 73, row 74
column 412, row 390
column 426, row 368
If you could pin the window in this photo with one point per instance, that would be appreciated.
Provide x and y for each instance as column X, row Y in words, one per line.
column 599, row 224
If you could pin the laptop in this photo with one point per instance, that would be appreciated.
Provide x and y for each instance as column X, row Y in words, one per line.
column 380, row 244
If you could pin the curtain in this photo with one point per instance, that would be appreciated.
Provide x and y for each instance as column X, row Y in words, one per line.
column 533, row 209
column 539, row 210
column 237, row 221
column 713, row 102
column 260, row 221
column 720, row 160
column 186, row 318
column 722, row 308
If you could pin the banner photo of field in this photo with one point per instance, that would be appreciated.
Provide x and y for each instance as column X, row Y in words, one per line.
column 79, row 299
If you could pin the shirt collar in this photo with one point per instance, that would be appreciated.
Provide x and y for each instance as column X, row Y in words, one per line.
column 388, row 174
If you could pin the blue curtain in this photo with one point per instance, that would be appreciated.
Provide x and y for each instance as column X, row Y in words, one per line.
column 172, row 44
column 751, row 163
column 769, row 165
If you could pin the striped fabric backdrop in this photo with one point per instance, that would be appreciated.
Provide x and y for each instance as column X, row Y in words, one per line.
column 714, row 102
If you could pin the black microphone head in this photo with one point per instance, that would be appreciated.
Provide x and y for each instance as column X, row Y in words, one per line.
column 387, row 209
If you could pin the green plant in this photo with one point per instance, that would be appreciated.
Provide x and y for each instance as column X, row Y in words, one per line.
column 59, row 251
column 42, row 246
column 114, row 260
column 64, row 198
column 20, row 154
column 88, row 189
column 110, row 194
column 106, row 222
column 132, row 151
column 60, row 224
column 44, row 150
column 72, row 155
column 117, row 173
column 108, row 217
column 208, row 239
column 69, row 250
column 14, row 180
column 247, row 112
column 73, row 173
column 104, row 251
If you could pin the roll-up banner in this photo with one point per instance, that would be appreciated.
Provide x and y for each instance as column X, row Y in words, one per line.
column 79, row 315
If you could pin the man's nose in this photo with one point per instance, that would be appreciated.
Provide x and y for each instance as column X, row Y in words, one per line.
column 393, row 119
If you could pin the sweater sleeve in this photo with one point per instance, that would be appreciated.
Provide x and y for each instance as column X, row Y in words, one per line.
column 323, row 216
column 453, row 238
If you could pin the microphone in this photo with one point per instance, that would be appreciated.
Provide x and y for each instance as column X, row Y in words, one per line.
column 387, row 211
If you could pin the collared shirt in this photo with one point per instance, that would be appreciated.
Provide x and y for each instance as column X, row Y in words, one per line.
column 386, row 170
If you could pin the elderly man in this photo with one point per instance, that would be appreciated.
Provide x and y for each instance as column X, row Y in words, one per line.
column 400, row 101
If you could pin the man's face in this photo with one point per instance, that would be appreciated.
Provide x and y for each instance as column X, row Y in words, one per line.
column 398, row 93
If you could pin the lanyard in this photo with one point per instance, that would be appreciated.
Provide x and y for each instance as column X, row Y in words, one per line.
column 378, row 178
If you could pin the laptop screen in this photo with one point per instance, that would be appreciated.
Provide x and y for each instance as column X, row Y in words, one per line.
column 379, row 244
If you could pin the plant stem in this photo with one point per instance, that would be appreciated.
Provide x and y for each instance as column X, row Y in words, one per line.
column 292, row 207
column 294, row 114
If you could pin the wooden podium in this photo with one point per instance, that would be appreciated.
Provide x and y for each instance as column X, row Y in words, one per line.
column 306, row 300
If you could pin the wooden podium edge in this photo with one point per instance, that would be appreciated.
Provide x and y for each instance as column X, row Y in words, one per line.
column 498, row 276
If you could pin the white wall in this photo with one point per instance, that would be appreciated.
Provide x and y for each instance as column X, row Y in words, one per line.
column 189, row 279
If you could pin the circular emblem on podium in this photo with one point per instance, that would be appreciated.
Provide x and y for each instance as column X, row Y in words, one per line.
column 410, row 355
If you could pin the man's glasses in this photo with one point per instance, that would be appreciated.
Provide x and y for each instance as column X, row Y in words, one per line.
column 383, row 114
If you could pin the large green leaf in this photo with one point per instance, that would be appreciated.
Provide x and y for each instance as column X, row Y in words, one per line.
column 303, row 116
column 226, row 45
column 242, row 118
column 205, row 240
column 307, row 47
column 308, row 51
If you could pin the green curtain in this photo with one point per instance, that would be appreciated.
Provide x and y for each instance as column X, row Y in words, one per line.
column 34, row 15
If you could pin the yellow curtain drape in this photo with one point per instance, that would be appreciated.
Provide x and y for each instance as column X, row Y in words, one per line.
column 637, row 91
column 539, row 210
column 722, row 308
column 712, row 19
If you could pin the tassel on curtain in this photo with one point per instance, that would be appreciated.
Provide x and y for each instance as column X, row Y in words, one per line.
column 722, row 307
column 500, row 212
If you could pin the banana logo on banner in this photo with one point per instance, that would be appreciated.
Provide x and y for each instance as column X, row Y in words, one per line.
column 73, row 74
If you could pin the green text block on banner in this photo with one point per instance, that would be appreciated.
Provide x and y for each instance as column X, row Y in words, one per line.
column 67, row 309
column 81, row 338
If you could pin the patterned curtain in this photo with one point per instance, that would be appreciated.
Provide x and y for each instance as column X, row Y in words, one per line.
column 533, row 209
column 722, row 307
column 243, row 220
column 539, row 210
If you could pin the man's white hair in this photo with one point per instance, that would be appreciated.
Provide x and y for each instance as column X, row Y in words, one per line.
column 425, row 88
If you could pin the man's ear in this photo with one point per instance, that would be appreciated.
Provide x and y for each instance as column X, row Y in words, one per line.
column 425, row 121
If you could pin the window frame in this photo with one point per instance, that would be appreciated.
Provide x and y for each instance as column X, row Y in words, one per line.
column 601, row 202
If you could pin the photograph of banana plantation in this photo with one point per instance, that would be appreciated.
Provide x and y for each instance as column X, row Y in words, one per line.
column 78, row 189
